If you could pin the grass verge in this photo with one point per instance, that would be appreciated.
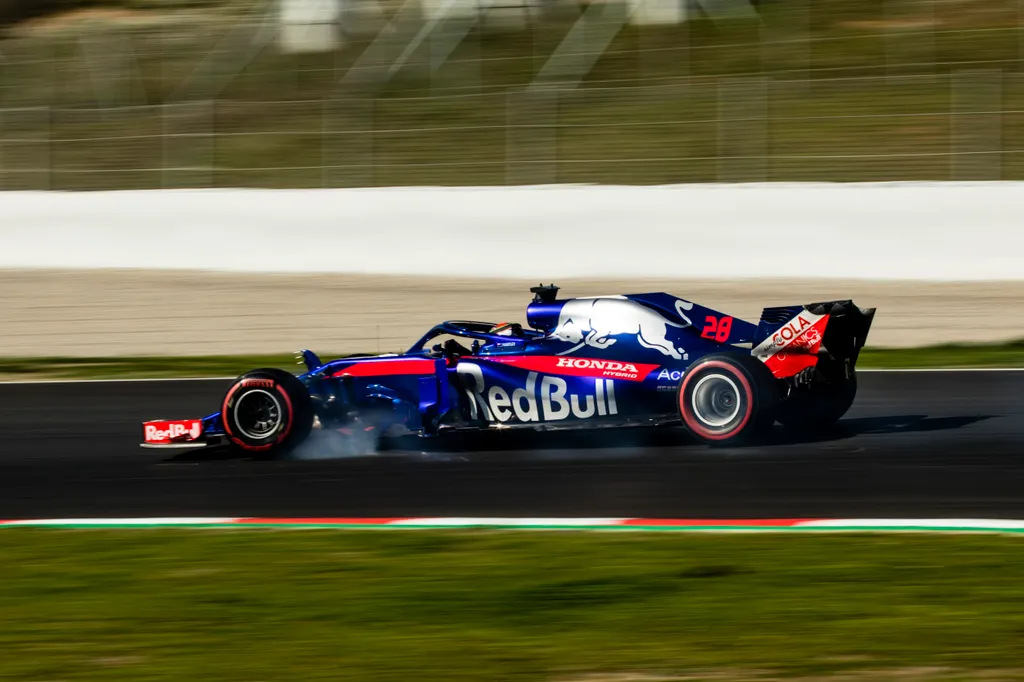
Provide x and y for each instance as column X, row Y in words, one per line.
column 1009, row 354
column 142, row 367
column 448, row 606
column 947, row 356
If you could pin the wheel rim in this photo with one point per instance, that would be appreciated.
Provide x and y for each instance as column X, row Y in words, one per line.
column 258, row 414
column 715, row 400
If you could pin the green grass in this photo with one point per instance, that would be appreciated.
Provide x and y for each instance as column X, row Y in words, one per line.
column 851, row 91
column 954, row 355
column 141, row 367
column 450, row 606
column 950, row 355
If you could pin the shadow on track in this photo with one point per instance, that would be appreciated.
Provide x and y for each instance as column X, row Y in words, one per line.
column 671, row 436
column 849, row 428
column 603, row 439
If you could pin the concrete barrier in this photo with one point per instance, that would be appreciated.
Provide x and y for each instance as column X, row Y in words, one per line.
column 903, row 231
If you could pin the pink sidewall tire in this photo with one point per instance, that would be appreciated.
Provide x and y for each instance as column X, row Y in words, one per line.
column 727, row 398
column 267, row 412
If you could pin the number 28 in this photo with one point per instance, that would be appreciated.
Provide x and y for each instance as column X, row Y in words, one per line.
column 716, row 328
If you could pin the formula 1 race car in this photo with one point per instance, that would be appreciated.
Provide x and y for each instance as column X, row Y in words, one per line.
column 638, row 359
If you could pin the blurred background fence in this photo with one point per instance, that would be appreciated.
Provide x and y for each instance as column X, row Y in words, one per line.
column 197, row 94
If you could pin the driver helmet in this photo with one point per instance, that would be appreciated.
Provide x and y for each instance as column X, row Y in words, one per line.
column 504, row 329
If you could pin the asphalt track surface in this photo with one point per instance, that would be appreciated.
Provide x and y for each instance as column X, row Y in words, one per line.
column 916, row 444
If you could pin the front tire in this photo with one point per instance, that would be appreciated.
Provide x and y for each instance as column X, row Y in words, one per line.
column 267, row 412
column 725, row 398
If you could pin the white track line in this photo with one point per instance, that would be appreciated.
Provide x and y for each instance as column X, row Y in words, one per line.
column 909, row 370
column 958, row 524
column 938, row 526
column 463, row 522
column 112, row 381
column 155, row 521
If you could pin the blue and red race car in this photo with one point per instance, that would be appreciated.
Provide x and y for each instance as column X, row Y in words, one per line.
column 637, row 359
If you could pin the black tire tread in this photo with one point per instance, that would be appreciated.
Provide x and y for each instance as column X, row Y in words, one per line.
column 765, row 388
column 302, row 405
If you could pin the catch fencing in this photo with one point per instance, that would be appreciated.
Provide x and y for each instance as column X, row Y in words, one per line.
column 965, row 126
column 212, row 103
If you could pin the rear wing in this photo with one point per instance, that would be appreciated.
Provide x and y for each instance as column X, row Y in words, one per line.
column 828, row 336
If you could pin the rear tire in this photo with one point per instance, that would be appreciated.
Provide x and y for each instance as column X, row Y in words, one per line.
column 818, row 407
column 267, row 412
column 726, row 398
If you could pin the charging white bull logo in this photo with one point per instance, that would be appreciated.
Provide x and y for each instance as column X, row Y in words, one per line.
column 594, row 321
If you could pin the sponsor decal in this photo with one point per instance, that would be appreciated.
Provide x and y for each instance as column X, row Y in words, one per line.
column 257, row 383
column 542, row 399
column 794, row 346
column 668, row 379
column 578, row 367
column 670, row 375
column 594, row 322
column 164, row 432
